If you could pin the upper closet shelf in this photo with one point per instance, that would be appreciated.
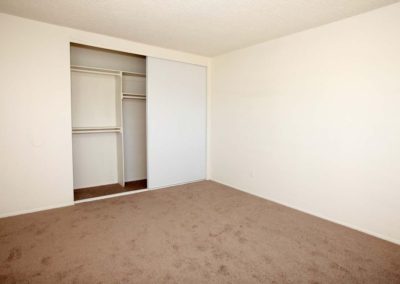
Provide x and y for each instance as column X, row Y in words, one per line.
column 94, row 70
column 126, row 73
column 133, row 96
column 104, row 71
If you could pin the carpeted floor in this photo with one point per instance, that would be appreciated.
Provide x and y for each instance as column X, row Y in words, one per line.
column 198, row 233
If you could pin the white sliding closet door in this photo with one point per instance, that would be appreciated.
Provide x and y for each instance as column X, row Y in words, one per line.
column 176, row 122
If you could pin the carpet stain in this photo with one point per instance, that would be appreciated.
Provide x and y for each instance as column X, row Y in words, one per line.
column 223, row 270
column 15, row 254
column 46, row 260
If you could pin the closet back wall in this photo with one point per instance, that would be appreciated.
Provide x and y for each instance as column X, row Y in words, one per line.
column 35, row 109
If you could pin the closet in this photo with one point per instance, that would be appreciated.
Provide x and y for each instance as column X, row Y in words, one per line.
column 138, row 122
column 108, row 105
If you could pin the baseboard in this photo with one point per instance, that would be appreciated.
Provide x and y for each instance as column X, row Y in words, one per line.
column 4, row 215
column 374, row 234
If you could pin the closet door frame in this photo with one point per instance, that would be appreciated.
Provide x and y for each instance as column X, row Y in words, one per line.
column 148, row 106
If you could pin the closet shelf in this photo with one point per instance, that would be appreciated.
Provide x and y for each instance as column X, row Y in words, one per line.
column 104, row 71
column 95, row 70
column 107, row 129
column 128, row 73
column 133, row 96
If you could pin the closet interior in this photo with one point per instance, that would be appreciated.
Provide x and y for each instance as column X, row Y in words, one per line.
column 108, row 96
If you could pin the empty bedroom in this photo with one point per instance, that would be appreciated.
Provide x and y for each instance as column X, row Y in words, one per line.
column 200, row 141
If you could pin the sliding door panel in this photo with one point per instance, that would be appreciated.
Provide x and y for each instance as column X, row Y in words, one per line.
column 176, row 122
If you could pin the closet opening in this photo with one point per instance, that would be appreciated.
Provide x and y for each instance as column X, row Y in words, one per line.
column 108, row 104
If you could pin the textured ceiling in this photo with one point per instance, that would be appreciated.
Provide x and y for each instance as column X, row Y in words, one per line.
column 206, row 27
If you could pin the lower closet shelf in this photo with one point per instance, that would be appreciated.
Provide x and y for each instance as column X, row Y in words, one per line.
column 105, row 129
column 103, row 190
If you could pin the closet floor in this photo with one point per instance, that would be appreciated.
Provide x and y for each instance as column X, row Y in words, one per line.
column 96, row 191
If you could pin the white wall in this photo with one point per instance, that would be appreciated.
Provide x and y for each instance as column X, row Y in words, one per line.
column 35, row 109
column 312, row 120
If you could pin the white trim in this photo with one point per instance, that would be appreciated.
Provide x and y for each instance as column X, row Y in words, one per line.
column 110, row 196
column 208, row 121
column 4, row 215
column 374, row 234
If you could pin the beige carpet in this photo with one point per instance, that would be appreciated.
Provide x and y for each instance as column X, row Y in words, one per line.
column 198, row 233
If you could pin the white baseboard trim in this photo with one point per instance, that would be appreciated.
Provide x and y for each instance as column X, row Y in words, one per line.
column 374, row 234
column 9, row 214
column 110, row 196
